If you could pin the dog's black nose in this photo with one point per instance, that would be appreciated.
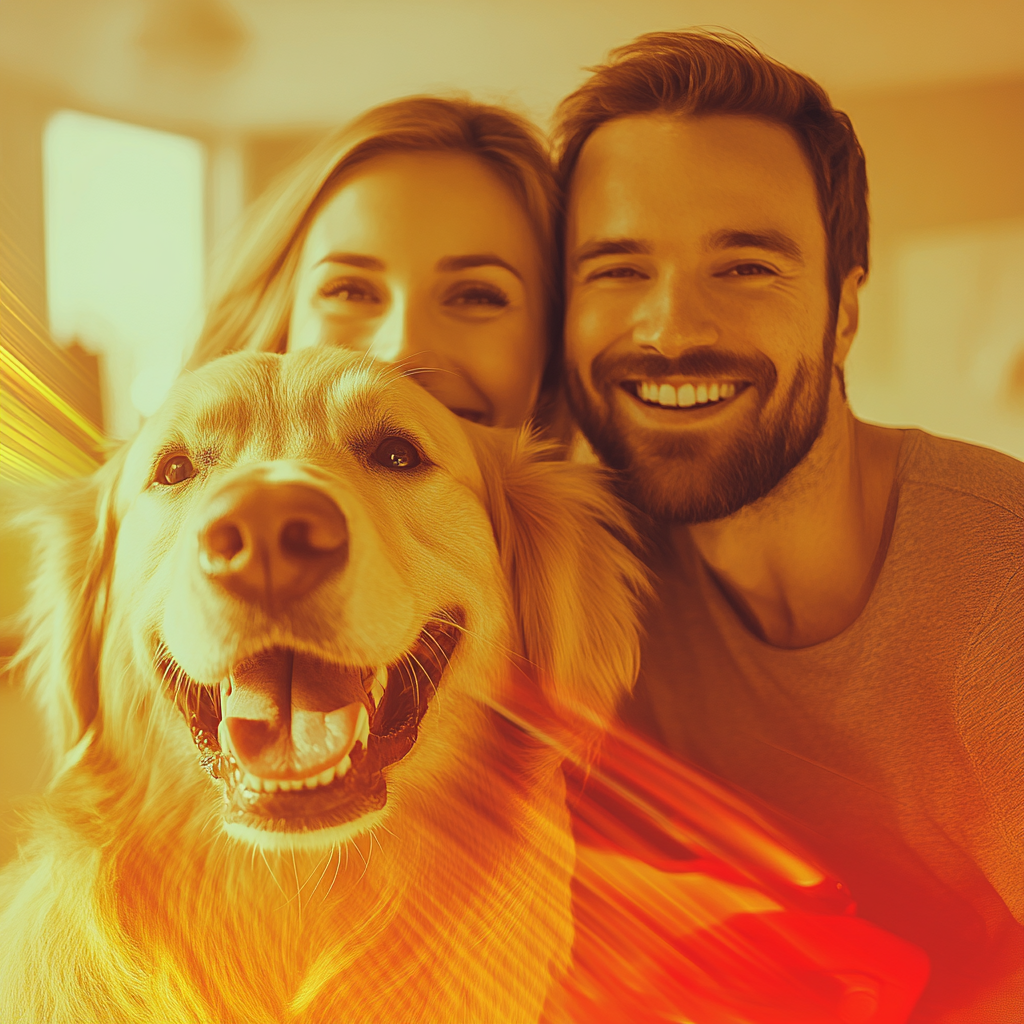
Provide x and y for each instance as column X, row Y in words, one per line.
column 272, row 542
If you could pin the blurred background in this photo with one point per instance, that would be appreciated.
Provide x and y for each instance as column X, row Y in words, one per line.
column 133, row 133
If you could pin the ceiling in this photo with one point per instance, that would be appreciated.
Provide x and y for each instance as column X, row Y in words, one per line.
column 244, row 65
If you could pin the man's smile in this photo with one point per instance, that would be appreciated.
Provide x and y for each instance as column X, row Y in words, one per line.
column 676, row 401
column 672, row 393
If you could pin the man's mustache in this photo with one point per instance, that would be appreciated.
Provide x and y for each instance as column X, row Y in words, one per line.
column 609, row 369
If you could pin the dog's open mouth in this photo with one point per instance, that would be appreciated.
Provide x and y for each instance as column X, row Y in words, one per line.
column 300, row 741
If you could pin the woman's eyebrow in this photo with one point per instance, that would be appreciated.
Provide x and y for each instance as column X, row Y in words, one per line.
column 353, row 259
column 447, row 264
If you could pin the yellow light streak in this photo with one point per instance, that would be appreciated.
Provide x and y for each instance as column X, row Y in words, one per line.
column 17, row 369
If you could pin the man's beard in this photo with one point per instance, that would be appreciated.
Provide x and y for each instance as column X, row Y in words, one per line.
column 698, row 475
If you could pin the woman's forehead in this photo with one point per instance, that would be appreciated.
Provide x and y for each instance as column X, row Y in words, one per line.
column 424, row 205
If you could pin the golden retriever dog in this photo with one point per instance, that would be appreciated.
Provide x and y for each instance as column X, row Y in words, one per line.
column 272, row 638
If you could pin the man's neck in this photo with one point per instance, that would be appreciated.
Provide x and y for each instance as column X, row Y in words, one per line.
column 799, row 565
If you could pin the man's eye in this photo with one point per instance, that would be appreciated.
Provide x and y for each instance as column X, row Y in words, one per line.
column 175, row 469
column 618, row 273
column 350, row 290
column 396, row 453
column 477, row 295
column 751, row 270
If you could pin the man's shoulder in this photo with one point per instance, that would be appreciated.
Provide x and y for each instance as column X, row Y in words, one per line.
column 975, row 473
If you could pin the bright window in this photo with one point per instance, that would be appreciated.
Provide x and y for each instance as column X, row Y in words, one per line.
column 124, row 253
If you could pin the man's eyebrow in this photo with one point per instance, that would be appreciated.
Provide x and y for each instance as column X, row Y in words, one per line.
column 773, row 241
column 447, row 264
column 611, row 247
column 353, row 259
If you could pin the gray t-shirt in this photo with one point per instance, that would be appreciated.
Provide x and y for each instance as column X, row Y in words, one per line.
column 895, row 750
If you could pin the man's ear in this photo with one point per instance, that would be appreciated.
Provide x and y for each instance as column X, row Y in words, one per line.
column 847, row 315
column 73, row 531
column 575, row 584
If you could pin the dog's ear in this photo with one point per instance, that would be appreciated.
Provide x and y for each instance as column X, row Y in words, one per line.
column 576, row 585
column 72, row 529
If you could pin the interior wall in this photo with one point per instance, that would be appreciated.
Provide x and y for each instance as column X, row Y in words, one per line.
column 23, row 113
column 946, row 178
column 951, row 153
column 271, row 154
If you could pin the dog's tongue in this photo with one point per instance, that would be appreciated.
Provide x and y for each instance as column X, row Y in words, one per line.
column 291, row 715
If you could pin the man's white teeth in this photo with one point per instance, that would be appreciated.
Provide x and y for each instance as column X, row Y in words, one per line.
column 328, row 775
column 685, row 395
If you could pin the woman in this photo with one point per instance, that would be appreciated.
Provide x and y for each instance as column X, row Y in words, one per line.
column 422, row 234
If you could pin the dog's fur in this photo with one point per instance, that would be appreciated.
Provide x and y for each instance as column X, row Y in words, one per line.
column 130, row 901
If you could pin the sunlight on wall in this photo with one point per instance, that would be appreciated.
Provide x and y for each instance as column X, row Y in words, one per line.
column 124, row 253
column 956, row 366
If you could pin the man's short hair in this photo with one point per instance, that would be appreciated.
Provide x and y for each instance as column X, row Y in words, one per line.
column 704, row 72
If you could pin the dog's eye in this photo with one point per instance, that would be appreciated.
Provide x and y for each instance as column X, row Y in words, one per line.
column 175, row 469
column 396, row 453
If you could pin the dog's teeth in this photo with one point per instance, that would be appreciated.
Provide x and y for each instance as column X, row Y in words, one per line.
column 363, row 726
column 378, row 684
column 224, row 737
column 258, row 785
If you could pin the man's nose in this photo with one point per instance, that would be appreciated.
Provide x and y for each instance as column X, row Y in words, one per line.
column 271, row 542
column 674, row 316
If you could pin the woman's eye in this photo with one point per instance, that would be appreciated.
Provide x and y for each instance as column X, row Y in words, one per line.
column 175, row 469
column 477, row 295
column 396, row 453
column 350, row 290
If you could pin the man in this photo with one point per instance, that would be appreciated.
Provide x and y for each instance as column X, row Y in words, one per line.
column 839, row 626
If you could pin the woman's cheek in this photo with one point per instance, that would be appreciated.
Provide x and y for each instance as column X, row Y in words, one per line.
column 506, row 360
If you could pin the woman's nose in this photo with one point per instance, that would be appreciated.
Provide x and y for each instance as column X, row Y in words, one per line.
column 403, row 334
column 674, row 316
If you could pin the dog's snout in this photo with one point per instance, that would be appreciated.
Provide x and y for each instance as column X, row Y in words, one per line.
column 272, row 542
